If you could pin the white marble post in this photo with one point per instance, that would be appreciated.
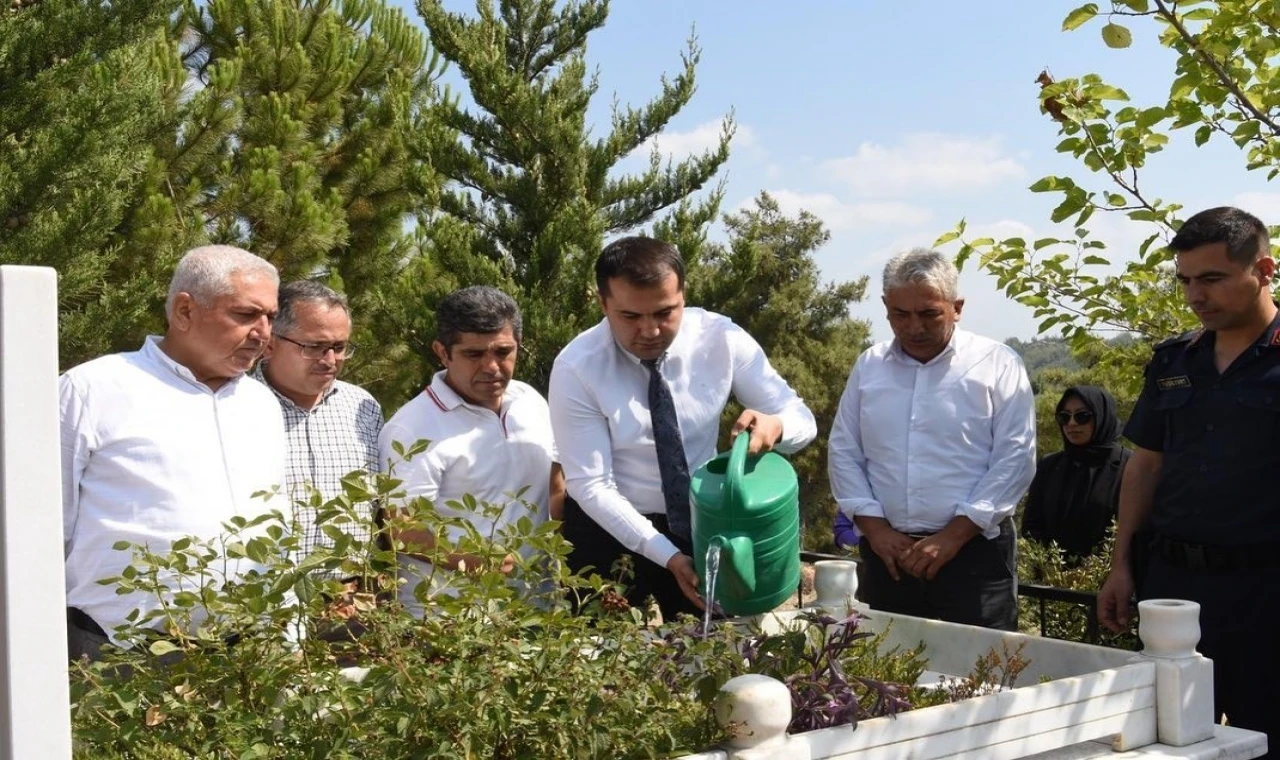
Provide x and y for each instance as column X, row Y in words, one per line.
column 1170, row 630
column 836, row 582
column 755, row 710
column 35, row 720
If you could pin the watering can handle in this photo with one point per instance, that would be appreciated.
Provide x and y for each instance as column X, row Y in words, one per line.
column 737, row 468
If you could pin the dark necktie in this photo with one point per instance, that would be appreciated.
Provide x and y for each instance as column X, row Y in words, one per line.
column 671, row 459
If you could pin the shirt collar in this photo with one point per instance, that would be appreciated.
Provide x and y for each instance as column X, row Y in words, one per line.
column 1270, row 337
column 448, row 399
column 902, row 356
column 153, row 353
column 674, row 348
column 260, row 375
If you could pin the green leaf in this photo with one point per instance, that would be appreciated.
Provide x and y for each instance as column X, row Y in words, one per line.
column 161, row 647
column 1107, row 92
column 1116, row 199
column 1137, row 6
column 945, row 238
column 1116, row 36
column 1079, row 16
column 1096, row 260
column 1202, row 134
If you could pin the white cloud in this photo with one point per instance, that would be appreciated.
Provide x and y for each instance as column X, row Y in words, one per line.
column 924, row 162
column 706, row 136
column 841, row 215
column 1265, row 206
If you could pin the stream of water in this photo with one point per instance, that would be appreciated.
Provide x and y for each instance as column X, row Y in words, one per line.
column 712, row 565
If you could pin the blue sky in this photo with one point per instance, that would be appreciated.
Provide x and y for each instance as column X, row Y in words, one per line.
column 893, row 120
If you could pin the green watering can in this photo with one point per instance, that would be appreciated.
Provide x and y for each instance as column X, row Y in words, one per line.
column 749, row 507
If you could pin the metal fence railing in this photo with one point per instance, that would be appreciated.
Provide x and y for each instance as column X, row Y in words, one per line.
column 1042, row 595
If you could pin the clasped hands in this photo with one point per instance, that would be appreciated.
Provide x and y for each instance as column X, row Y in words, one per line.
column 924, row 557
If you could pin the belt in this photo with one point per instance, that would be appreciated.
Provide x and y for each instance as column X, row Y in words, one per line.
column 80, row 620
column 1210, row 558
column 1006, row 527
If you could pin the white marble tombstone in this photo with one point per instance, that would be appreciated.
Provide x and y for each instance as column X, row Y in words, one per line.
column 35, row 720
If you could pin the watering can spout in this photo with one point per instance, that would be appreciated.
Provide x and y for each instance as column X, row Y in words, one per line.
column 737, row 562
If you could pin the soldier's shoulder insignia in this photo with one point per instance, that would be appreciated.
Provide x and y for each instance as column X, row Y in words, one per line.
column 1188, row 338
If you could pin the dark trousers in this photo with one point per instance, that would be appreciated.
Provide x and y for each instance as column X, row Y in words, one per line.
column 85, row 638
column 979, row 586
column 594, row 547
column 1239, row 631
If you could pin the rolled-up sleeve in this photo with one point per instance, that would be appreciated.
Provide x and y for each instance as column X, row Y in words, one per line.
column 846, row 463
column 757, row 385
column 586, row 455
column 1013, row 453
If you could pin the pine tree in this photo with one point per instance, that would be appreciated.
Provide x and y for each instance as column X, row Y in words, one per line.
column 85, row 90
column 135, row 130
column 309, row 143
column 538, row 190
column 766, row 280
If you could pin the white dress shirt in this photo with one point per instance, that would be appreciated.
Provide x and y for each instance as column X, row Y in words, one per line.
column 150, row 455
column 918, row 444
column 600, row 411
column 473, row 450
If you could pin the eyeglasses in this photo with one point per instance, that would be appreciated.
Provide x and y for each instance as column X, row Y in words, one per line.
column 341, row 349
column 1082, row 417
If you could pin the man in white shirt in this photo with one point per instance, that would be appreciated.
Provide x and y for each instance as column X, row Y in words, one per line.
column 636, row 404
column 489, row 437
column 932, row 447
column 331, row 426
column 171, row 440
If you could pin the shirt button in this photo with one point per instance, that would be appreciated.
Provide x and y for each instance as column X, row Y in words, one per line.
column 1204, row 468
column 1209, row 427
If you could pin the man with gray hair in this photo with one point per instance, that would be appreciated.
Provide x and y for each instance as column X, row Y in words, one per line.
column 331, row 426
column 932, row 447
column 489, row 436
column 168, row 441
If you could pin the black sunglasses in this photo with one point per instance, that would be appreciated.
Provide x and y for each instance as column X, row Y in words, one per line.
column 1082, row 417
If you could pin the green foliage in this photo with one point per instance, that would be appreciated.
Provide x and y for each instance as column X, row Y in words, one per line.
column 1043, row 353
column 536, row 189
column 310, row 143
column 1048, row 566
column 766, row 280
column 85, row 90
column 500, row 667
column 136, row 130
column 1223, row 86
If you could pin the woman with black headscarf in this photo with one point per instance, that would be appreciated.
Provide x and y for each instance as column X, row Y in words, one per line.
column 1075, row 493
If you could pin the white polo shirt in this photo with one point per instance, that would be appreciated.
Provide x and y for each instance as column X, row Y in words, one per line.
column 476, row 451
column 150, row 455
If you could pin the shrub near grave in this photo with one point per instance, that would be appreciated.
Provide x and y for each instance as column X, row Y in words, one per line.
column 494, row 671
